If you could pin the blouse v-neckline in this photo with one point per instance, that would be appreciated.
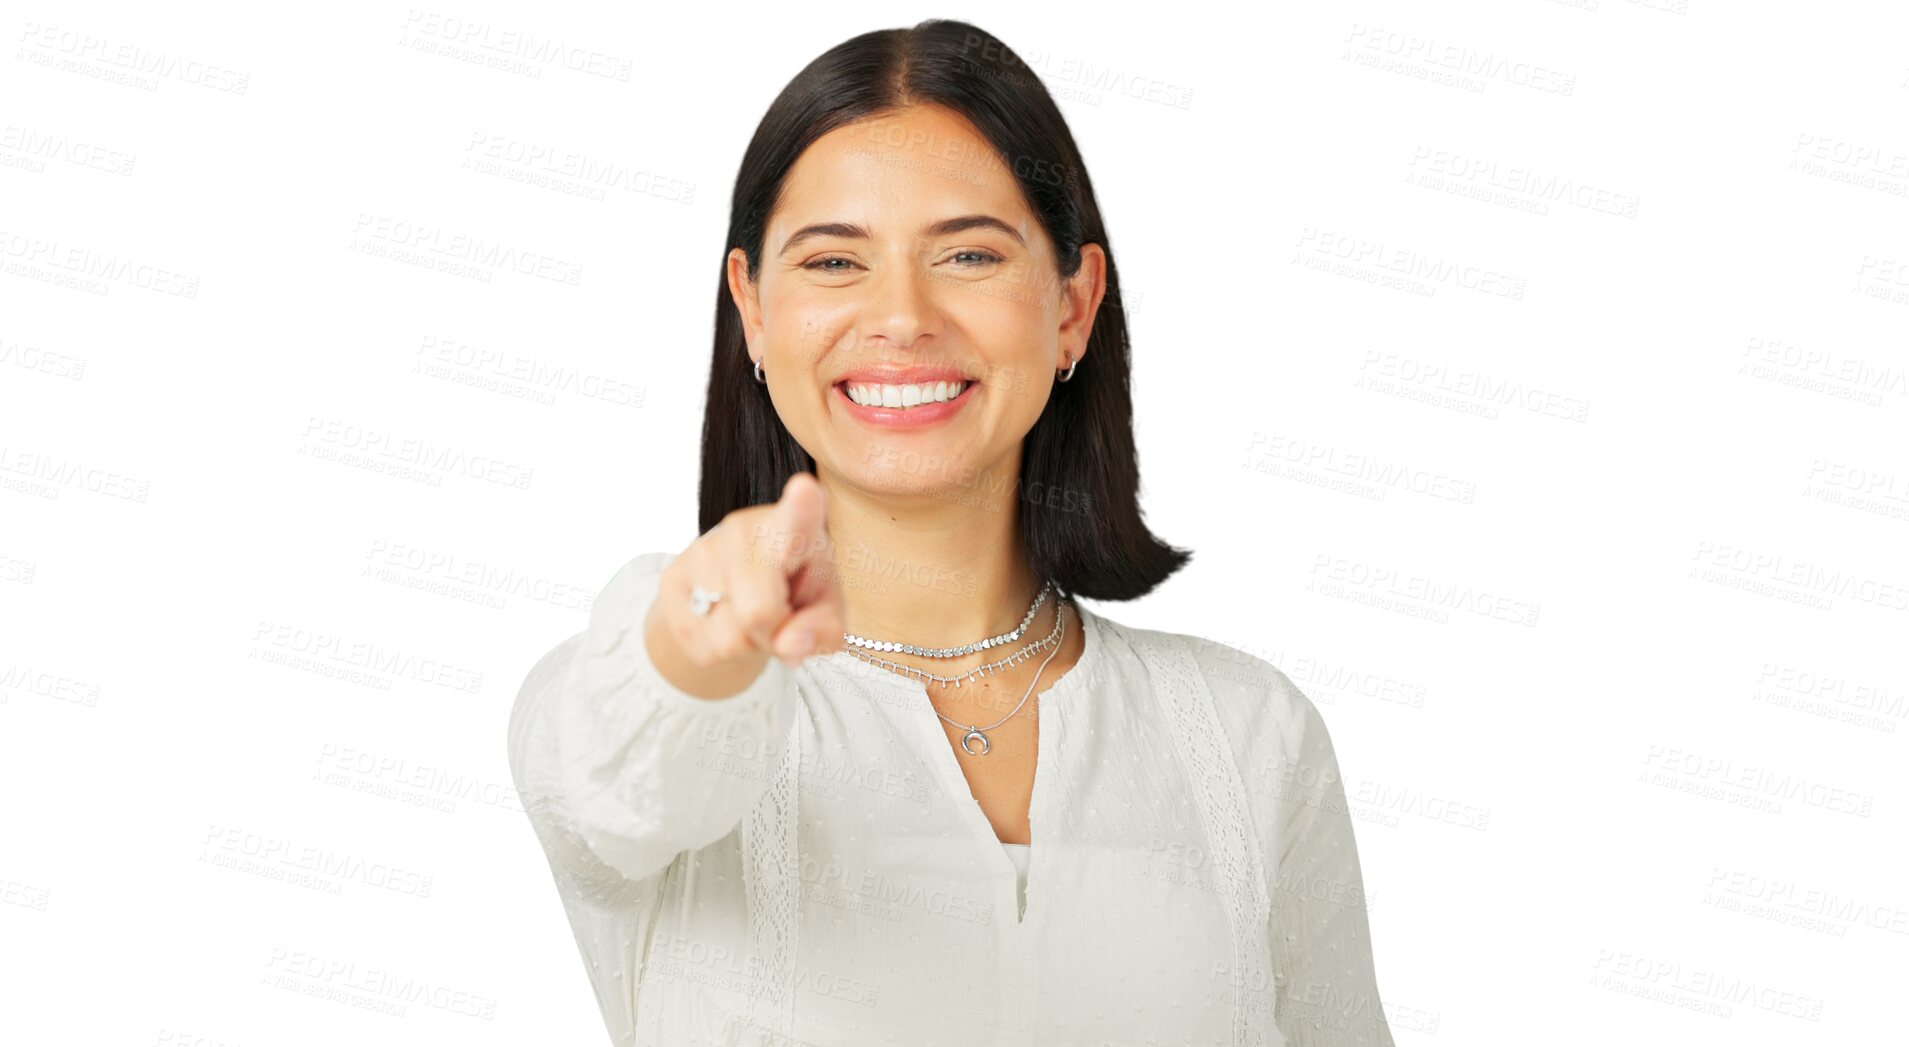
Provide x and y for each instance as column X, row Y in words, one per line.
column 955, row 782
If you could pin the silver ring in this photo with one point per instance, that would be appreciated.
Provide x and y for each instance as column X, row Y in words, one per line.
column 701, row 600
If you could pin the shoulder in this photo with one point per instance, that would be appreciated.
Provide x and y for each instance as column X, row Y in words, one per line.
column 628, row 591
column 647, row 565
column 615, row 605
column 1256, row 700
column 1271, row 727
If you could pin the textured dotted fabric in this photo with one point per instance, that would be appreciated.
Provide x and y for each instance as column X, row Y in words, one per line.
column 1017, row 853
column 803, row 863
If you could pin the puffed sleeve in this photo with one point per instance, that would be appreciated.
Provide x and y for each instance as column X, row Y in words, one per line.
column 619, row 770
column 1327, row 990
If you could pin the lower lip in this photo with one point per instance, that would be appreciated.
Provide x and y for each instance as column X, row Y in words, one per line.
column 906, row 417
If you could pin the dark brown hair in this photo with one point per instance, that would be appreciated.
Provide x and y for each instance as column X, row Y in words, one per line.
column 1078, row 500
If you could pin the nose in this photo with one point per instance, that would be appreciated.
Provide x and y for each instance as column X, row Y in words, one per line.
column 900, row 310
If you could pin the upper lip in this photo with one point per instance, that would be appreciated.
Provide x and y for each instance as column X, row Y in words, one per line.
column 903, row 375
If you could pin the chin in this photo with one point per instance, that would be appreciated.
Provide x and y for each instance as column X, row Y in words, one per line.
column 896, row 468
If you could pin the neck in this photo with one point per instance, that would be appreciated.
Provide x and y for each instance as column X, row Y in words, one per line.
column 937, row 569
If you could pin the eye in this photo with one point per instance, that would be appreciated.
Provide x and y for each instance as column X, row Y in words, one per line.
column 986, row 258
column 822, row 264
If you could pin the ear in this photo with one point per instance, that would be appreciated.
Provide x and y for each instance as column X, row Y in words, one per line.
column 1080, row 301
column 748, row 304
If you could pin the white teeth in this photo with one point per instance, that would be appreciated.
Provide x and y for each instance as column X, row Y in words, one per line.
column 902, row 396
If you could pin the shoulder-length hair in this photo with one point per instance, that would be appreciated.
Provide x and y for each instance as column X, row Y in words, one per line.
column 1078, row 497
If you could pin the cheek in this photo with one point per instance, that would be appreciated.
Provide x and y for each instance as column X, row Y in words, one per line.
column 1002, row 300
column 1016, row 344
column 1024, row 397
column 803, row 329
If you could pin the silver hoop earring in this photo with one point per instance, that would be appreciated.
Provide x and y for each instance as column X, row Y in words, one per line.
column 760, row 380
column 1071, row 364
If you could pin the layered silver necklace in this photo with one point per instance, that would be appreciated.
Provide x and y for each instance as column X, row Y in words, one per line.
column 975, row 734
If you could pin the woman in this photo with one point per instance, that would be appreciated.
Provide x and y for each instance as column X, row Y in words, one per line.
column 855, row 767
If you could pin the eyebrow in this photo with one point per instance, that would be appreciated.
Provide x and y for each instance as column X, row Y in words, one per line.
column 946, row 226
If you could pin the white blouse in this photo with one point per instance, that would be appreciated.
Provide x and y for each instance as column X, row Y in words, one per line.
column 804, row 864
column 1018, row 853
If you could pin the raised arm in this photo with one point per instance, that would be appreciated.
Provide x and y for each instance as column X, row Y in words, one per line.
column 620, row 770
column 655, row 730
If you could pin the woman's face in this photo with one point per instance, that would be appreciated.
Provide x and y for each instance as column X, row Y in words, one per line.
column 908, row 314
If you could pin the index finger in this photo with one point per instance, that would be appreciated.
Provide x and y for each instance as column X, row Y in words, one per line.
column 801, row 516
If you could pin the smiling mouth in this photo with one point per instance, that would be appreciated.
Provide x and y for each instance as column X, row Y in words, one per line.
column 903, row 396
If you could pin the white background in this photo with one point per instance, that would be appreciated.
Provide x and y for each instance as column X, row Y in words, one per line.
column 1588, row 539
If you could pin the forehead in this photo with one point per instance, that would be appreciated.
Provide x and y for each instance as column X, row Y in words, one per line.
column 898, row 171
